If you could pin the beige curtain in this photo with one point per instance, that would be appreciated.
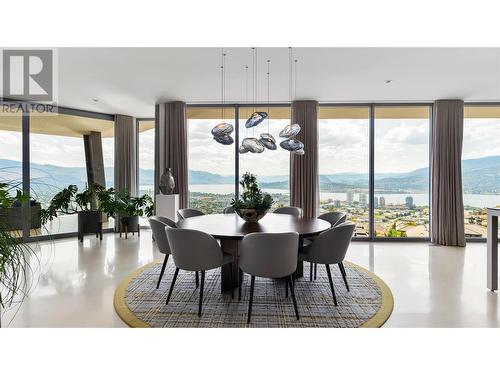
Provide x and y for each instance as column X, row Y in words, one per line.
column 125, row 154
column 171, row 147
column 304, row 180
column 446, row 166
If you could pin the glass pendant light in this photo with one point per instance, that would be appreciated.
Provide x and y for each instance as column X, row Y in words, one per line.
column 222, row 131
column 290, row 131
column 253, row 145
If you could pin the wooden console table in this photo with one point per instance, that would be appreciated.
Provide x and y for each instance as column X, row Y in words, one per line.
column 492, row 268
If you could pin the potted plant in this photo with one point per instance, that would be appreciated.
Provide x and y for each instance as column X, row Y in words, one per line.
column 253, row 204
column 85, row 204
column 128, row 209
column 14, row 255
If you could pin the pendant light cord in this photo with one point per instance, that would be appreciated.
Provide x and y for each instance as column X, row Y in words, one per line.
column 296, row 82
column 290, row 74
column 268, row 96
column 255, row 86
column 246, row 97
column 222, row 83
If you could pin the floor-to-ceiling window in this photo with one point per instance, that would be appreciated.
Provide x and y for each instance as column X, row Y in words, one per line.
column 58, row 159
column 146, row 129
column 11, row 165
column 344, row 163
column 401, row 175
column 272, row 167
column 211, row 164
column 480, row 166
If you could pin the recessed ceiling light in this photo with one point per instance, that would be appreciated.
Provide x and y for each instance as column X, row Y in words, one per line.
column 388, row 81
column 95, row 100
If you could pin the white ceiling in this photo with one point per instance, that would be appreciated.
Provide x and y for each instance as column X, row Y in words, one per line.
column 131, row 80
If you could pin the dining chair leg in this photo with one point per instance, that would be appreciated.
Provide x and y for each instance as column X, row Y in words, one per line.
column 197, row 281
column 311, row 266
column 331, row 283
column 344, row 275
column 162, row 270
column 231, row 279
column 315, row 270
column 240, row 282
column 286, row 287
column 252, row 284
column 172, row 285
column 201, row 292
column 292, row 290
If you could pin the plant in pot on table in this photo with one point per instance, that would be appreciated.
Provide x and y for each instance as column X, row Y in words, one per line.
column 85, row 204
column 253, row 204
column 129, row 209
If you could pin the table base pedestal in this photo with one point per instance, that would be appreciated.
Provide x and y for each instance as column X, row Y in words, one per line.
column 229, row 247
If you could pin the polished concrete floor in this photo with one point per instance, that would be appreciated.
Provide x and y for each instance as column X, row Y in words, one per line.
column 433, row 286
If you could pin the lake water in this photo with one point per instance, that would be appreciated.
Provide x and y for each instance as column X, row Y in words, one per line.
column 419, row 199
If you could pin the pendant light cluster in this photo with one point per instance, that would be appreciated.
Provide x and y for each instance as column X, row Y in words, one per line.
column 290, row 131
column 222, row 132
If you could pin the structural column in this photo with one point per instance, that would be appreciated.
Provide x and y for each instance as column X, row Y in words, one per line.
column 94, row 160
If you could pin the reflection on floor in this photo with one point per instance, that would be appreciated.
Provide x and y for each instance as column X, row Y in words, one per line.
column 433, row 286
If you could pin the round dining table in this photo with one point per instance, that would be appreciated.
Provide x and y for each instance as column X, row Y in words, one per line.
column 230, row 229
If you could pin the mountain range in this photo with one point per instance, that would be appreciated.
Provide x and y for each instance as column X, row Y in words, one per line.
column 479, row 176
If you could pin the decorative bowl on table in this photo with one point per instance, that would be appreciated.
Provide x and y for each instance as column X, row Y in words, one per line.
column 250, row 215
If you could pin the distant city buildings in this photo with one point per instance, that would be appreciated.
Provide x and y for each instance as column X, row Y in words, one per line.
column 382, row 202
column 362, row 200
column 337, row 203
column 375, row 202
column 350, row 198
column 409, row 202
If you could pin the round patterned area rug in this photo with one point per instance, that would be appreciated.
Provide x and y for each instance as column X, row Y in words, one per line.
column 368, row 304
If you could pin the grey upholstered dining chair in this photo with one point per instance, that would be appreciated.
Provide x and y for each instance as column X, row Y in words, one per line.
column 289, row 210
column 334, row 218
column 194, row 250
column 184, row 213
column 158, row 225
column 228, row 210
column 271, row 255
column 330, row 247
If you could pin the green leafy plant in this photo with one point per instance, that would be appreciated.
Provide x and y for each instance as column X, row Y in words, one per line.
column 106, row 199
column 69, row 201
column 252, row 197
column 125, row 205
column 14, row 255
